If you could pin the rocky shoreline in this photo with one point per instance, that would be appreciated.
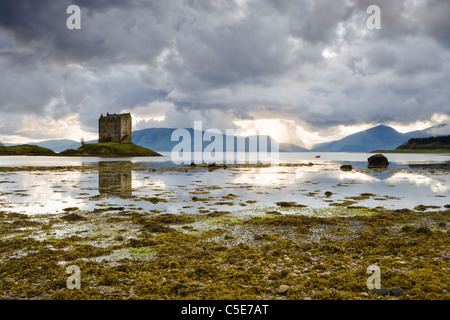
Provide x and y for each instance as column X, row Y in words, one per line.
column 274, row 255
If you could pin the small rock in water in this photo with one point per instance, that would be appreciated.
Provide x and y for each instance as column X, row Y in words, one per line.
column 328, row 193
column 346, row 167
column 396, row 292
column 377, row 161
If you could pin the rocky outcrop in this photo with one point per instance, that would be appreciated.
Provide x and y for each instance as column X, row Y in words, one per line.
column 377, row 161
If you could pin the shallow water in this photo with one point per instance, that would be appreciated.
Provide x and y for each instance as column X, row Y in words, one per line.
column 46, row 185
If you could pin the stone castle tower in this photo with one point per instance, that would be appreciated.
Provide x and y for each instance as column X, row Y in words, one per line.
column 114, row 128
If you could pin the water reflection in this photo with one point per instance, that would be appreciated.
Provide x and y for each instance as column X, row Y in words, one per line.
column 158, row 186
column 115, row 181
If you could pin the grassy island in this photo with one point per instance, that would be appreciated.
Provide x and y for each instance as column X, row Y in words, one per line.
column 110, row 149
column 25, row 150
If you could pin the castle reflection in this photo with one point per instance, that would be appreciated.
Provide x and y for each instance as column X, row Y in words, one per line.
column 114, row 179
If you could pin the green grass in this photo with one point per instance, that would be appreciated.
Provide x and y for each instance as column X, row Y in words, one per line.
column 413, row 151
column 111, row 149
column 25, row 149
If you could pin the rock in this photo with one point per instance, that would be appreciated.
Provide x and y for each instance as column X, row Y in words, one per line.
column 9, row 280
column 364, row 295
column 305, row 245
column 328, row 193
column 396, row 292
column 306, row 270
column 233, row 260
column 377, row 161
column 382, row 291
column 346, row 167
column 282, row 289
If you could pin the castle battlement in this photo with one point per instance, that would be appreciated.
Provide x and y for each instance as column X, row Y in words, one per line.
column 114, row 128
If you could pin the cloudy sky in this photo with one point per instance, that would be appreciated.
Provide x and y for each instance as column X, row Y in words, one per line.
column 303, row 71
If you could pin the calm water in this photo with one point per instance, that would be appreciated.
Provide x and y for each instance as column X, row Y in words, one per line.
column 46, row 185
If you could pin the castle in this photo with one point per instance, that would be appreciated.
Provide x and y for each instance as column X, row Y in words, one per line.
column 115, row 128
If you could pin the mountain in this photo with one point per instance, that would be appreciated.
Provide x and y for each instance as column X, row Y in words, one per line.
column 381, row 137
column 58, row 145
column 159, row 139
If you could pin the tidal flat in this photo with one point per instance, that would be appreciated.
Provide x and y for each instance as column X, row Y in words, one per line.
column 153, row 231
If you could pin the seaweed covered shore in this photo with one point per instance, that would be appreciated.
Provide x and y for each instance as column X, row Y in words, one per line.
column 277, row 254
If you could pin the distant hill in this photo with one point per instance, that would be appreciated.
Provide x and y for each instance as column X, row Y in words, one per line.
column 428, row 144
column 159, row 139
column 58, row 145
column 381, row 137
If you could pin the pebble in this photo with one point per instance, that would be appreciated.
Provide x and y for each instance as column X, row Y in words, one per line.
column 382, row 291
column 233, row 260
column 9, row 280
column 396, row 292
column 305, row 270
column 305, row 245
column 282, row 289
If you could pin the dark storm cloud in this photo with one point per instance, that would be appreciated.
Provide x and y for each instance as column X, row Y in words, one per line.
column 313, row 61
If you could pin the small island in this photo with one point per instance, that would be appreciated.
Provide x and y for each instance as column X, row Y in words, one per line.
column 114, row 140
column 25, row 150
column 439, row 144
column 110, row 149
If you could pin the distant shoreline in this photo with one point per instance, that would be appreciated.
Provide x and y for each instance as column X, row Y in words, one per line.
column 106, row 149
column 415, row 151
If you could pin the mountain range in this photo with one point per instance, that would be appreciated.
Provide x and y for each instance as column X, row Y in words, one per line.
column 381, row 137
column 375, row 138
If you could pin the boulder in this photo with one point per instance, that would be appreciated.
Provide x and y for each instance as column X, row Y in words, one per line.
column 396, row 292
column 381, row 291
column 346, row 167
column 377, row 161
